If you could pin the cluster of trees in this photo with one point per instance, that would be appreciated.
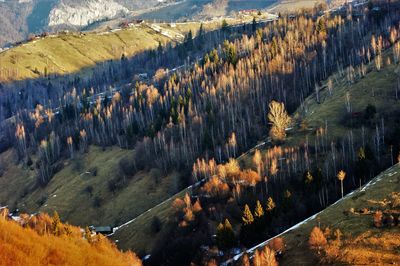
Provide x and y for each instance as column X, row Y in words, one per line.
column 195, row 112
column 326, row 244
column 335, row 247
column 44, row 240
column 218, row 108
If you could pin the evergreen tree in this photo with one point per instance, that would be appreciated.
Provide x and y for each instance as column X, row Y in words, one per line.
column 88, row 235
column 200, row 37
column 308, row 178
column 159, row 48
column 225, row 235
column 321, row 27
column 259, row 211
column 247, row 217
column 224, row 26
column 56, row 224
column 270, row 205
column 254, row 25
column 230, row 53
column 189, row 41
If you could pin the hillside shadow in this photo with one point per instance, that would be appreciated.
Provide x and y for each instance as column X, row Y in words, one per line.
column 49, row 91
column 237, row 5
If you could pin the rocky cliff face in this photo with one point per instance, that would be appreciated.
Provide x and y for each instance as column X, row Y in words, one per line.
column 87, row 12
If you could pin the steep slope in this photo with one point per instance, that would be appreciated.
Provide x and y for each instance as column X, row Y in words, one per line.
column 25, row 246
column 376, row 88
column 82, row 14
column 83, row 186
column 13, row 25
column 68, row 53
column 361, row 242
column 24, row 17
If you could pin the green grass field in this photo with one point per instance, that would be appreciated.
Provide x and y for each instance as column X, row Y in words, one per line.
column 67, row 193
column 337, row 217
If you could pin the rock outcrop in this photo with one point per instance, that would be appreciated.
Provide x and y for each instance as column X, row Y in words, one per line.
column 85, row 13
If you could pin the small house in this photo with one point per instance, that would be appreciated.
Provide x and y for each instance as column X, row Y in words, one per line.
column 104, row 230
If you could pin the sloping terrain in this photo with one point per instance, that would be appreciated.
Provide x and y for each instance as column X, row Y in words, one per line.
column 361, row 243
column 24, row 17
column 365, row 244
column 79, row 52
column 13, row 25
column 82, row 186
column 376, row 88
column 29, row 246
column 204, row 9
column 70, row 53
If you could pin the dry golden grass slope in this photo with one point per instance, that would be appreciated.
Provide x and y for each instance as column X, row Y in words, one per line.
column 23, row 246
column 69, row 53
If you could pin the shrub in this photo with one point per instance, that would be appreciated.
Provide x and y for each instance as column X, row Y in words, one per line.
column 116, row 184
column 29, row 162
column 369, row 112
column 77, row 164
column 395, row 200
column 127, row 166
column 42, row 200
column 98, row 202
column 378, row 219
column 156, row 224
column 93, row 171
column 89, row 189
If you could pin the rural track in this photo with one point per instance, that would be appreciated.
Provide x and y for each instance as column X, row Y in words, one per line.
column 195, row 185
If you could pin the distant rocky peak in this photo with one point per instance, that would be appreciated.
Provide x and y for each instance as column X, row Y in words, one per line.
column 82, row 13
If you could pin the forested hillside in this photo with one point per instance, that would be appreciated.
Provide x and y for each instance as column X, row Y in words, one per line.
column 361, row 229
column 315, row 94
column 349, row 123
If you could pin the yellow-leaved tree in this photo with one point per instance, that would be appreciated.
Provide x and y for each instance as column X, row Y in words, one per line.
column 279, row 119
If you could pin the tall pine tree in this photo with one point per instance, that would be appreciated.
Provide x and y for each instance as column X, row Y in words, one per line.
column 247, row 217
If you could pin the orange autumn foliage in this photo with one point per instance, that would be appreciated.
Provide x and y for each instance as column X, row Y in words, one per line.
column 24, row 246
